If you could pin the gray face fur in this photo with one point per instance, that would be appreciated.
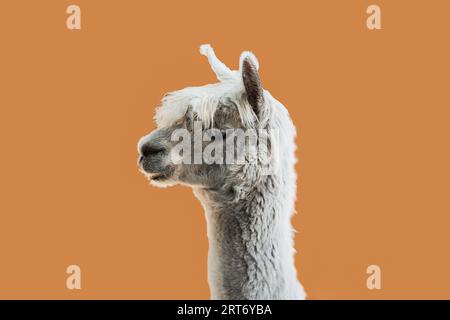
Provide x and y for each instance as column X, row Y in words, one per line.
column 226, row 112
column 155, row 149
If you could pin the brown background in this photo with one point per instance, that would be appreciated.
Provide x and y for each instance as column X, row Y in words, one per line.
column 372, row 109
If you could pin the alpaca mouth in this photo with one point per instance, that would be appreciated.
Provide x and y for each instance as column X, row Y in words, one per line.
column 151, row 175
column 158, row 176
column 154, row 176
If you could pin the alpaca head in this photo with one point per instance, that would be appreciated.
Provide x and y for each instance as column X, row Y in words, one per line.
column 198, row 139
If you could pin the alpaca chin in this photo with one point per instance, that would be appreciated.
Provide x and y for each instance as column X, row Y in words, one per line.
column 158, row 183
column 162, row 184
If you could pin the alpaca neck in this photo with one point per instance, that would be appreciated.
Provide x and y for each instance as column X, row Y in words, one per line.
column 250, row 243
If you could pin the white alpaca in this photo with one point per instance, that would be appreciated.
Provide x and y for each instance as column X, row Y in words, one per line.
column 248, row 211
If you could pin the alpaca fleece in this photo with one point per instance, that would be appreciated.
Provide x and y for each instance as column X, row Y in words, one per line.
column 248, row 212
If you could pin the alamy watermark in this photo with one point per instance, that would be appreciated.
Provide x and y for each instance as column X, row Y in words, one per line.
column 73, row 281
column 373, row 282
column 257, row 147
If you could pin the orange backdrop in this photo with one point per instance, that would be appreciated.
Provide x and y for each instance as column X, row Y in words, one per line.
column 372, row 109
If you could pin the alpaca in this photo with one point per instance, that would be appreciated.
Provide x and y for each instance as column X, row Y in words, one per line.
column 248, row 211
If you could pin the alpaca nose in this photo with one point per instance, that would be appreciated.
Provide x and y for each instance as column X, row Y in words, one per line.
column 148, row 150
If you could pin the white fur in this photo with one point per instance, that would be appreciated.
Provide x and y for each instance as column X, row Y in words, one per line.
column 251, row 248
column 204, row 100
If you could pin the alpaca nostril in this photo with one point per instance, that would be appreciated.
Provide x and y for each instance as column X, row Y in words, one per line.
column 151, row 150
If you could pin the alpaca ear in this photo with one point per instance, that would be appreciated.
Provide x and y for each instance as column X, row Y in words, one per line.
column 220, row 69
column 249, row 69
